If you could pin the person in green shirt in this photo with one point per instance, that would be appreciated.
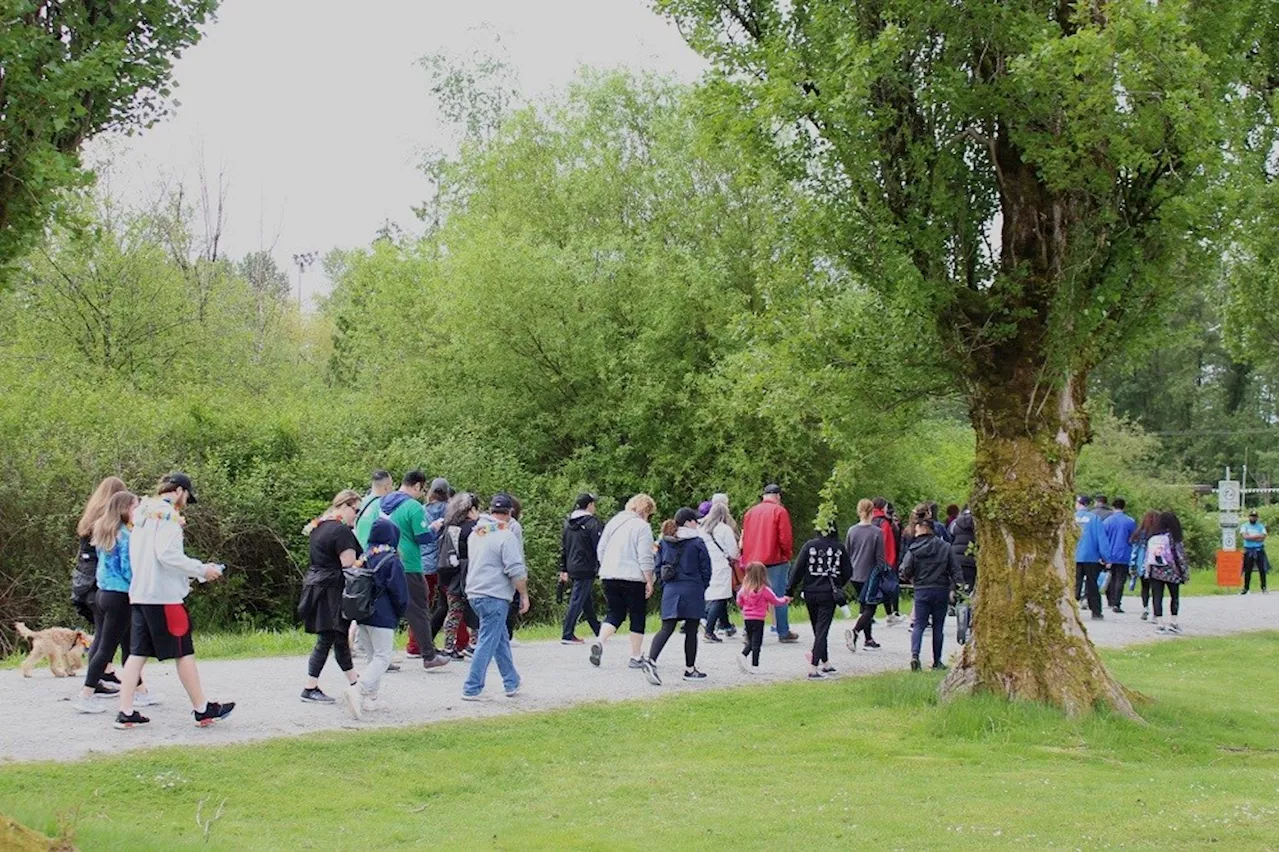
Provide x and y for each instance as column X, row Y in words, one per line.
column 380, row 486
column 404, row 508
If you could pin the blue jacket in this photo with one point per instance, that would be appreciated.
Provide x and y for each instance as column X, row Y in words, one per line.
column 684, row 596
column 431, row 550
column 1118, row 526
column 1093, row 545
column 388, row 575
column 114, row 571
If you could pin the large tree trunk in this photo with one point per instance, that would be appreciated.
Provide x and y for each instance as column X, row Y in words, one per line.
column 1028, row 641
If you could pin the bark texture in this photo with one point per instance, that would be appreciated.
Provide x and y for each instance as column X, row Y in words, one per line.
column 1028, row 640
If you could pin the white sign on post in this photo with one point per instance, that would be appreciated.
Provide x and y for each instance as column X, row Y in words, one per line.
column 1228, row 505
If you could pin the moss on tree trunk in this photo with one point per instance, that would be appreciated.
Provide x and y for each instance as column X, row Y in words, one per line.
column 1028, row 641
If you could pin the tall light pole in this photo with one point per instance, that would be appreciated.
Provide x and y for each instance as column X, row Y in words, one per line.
column 304, row 261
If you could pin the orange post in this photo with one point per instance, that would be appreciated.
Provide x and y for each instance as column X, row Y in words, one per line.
column 1230, row 568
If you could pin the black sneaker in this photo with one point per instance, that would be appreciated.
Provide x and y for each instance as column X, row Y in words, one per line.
column 109, row 677
column 214, row 712
column 1117, row 610
column 711, row 637
column 1097, row 616
column 456, row 656
column 694, row 674
column 101, row 691
column 597, row 652
column 731, row 632
column 315, row 696
column 133, row 720
column 870, row 643
column 915, row 664
column 938, row 667
column 393, row 667
column 635, row 663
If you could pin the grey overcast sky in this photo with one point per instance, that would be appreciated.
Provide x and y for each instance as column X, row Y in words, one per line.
column 316, row 110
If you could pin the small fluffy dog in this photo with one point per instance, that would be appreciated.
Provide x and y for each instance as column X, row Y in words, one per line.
column 63, row 646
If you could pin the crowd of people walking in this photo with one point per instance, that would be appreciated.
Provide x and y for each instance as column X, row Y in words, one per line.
column 446, row 562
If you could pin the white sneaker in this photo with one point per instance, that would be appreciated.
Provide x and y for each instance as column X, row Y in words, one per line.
column 650, row 671
column 147, row 699
column 88, row 705
column 742, row 664
column 851, row 641
column 352, row 697
column 375, row 705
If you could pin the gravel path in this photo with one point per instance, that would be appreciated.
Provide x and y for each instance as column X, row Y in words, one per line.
column 40, row 723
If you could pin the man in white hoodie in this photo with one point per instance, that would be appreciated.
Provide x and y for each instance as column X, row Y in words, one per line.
column 162, row 576
column 625, row 552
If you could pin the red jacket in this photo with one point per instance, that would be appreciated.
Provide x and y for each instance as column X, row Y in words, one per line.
column 766, row 534
column 881, row 520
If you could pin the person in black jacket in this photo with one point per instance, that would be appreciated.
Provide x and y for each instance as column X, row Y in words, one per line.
column 963, row 545
column 579, row 563
column 821, row 569
column 931, row 565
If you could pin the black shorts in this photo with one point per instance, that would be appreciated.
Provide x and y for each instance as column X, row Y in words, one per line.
column 625, row 598
column 162, row 631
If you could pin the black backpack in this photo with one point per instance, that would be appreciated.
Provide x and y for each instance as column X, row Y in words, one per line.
column 360, row 593
column 667, row 570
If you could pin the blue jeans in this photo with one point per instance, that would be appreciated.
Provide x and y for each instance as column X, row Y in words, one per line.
column 493, row 643
column 930, row 604
column 778, row 576
column 581, row 603
column 718, row 615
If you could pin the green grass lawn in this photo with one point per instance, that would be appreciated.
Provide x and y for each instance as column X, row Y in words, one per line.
column 868, row 762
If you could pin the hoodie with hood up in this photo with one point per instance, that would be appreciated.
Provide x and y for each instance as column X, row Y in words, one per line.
column 578, row 543
column 415, row 530
column 383, row 558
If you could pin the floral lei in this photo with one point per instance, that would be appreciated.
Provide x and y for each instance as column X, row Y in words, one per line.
column 315, row 522
column 373, row 551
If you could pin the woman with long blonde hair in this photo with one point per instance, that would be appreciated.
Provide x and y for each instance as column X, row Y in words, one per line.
column 109, row 536
column 333, row 547
column 84, row 584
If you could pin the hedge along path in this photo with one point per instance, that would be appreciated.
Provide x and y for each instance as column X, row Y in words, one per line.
column 42, row 725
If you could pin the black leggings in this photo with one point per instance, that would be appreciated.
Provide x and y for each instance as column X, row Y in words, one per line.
column 114, row 617
column 755, row 638
column 1146, row 592
column 866, row 612
column 1157, row 597
column 820, row 615
column 690, row 639
column 325, row 640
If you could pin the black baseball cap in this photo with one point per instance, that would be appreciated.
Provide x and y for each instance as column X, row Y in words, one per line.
column 179, row 479
column 585, row 499
column 685, row 515
column 773, row 488
column 1253, row 513
column 502, row 503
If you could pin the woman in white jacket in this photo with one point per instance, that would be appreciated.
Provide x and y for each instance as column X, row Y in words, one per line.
column 626, row 574
column 721, row 537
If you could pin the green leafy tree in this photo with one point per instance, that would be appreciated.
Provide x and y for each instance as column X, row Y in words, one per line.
column 1023, row 178
column 69, row 71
